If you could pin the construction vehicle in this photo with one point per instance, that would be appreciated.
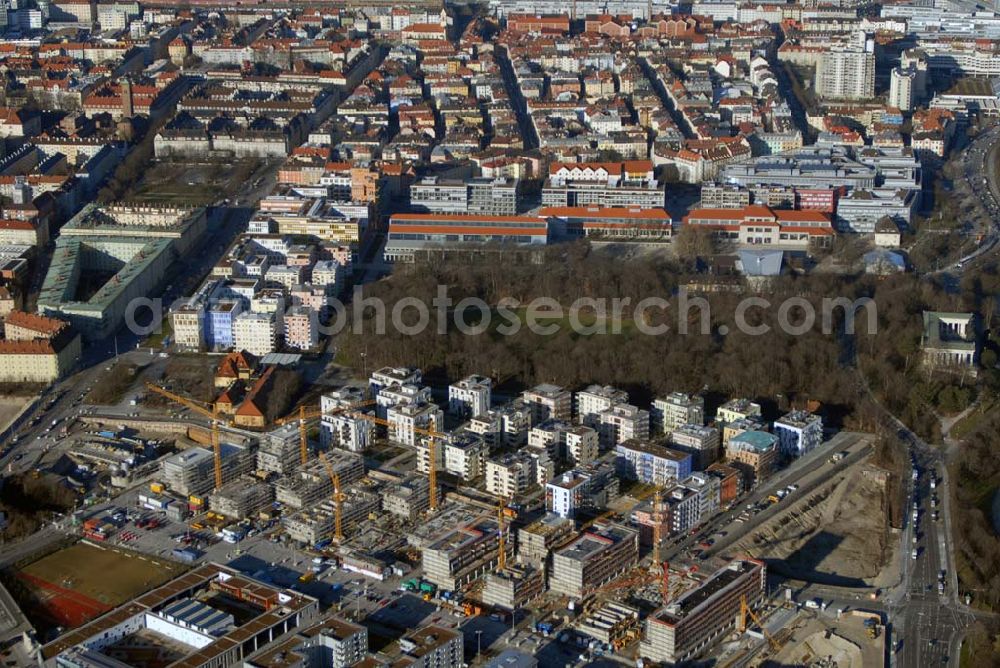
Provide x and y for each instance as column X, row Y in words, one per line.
column 747, row 611
column 306, row 414
column 338, row 500
column 209, row 411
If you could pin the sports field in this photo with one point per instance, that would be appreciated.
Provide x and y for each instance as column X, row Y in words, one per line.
column 82, row 581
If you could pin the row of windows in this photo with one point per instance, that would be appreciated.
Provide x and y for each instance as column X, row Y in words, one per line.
column 540, row 225
column 474, row 238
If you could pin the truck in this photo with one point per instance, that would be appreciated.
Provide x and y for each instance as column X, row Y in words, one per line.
column 428, row 588
column 411, row 585
column 545, row 628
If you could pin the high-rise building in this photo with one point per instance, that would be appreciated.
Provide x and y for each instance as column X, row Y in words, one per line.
column 901, row 84
column 847, row 72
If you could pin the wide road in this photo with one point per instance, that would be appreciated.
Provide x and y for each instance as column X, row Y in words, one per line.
column 930, row 621
column 854, row 444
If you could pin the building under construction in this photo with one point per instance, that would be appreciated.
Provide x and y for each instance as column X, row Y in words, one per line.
column 242, row 498
column 596, row 557
column 280, row 450
column 613, row 623
column 313, row 524
column 192, row 472
column 536, row 541
column 407, row 498
column 464, row 554
column 686, row 627
column 514, row 586
column 308, row 487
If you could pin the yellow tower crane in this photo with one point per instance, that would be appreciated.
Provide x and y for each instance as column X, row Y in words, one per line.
column 338, row 500
column 208, row 410
column 747, row 611
column 305, row 414
column 502, row 557
column 432, row 436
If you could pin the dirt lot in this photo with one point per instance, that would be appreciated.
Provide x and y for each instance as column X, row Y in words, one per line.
column 191, row 376
column 10, row 407
column 837, row 533
column 82, row 581
column 192, row 184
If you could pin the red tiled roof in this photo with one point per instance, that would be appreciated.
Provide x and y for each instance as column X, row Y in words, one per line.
column 39, row 323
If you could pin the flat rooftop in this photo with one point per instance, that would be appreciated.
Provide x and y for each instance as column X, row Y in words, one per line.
column 692, row 600
column 277, row 603
column 593, row 542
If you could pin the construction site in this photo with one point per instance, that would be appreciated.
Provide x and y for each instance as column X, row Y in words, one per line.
column 425, row 518
column 839, row 531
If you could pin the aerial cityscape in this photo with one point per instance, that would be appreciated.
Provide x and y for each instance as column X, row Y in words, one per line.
column 499, row 333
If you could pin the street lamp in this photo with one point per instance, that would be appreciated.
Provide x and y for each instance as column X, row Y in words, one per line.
column 479, row 643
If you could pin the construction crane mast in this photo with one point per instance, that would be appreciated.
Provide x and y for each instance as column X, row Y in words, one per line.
column 502, row 556
column 338, row 500
column 305, row 414
column 432, row 436
column 208, row 410
column 747, row 611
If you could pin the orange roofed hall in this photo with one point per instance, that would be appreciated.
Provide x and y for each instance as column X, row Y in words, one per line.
column 761, row 225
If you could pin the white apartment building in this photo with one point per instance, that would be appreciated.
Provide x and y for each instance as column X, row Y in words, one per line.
column 709, row 491
column 736, row 409
column 847, row 72
column 620, row 423
column 284, row 275
column 550, row 435
column 470, row 397
column 684, row 509
column 511, row 474
column 582, row 444
column 257, row 333
column 548, row 402
column 799, row 432
column 676, row 410
column 346, row 431
column 328, row 274
column 188, row 324
column 397, row 395
column 433, row 647
column 387, row 376
column 406, row 418
column 901, row 88
column 465, row 457
column 565, row 495
column 594, row 400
